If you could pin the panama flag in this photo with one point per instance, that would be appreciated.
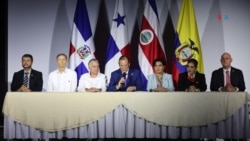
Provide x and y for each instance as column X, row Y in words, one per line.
column 187, row 42
column 150, row 44
column 118, row 41
column 82, row 47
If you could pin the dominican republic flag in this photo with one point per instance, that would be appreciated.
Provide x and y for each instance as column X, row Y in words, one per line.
column 82, row 47
column 118, row 43
column 150, row 44
column 187, row 42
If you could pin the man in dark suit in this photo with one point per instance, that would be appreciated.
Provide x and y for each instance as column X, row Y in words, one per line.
column 125, row 78
column 227, row 78
column 27, row 79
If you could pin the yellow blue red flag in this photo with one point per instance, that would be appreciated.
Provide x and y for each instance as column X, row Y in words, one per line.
column 187, row 42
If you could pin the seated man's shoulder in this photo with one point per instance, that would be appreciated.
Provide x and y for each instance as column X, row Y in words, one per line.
column 102, row 75
column 84, row 76
column 53, row 72
column 116, row 71
column 135, row 70
column 36, row 71
column 71, row 71
column 218, row 70
column 236, row 69
column 20, row 71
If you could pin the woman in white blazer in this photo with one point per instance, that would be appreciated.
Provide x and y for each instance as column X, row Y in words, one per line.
column 160, row 81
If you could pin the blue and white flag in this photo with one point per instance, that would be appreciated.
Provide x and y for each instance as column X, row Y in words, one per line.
column 118, row 43
column 82, row 47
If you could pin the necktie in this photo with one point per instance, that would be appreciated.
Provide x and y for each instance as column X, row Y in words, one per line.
column 26, row 79
column 228, row 77
column 124, row 75
column 126, row 82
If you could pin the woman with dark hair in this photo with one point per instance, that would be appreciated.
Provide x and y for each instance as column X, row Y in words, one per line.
column 160, row 81
column 192, row 80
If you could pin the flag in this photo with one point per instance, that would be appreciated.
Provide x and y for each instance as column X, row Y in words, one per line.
column 150, row 42
column 118, row 43
column 187, row 43
column 82, row 47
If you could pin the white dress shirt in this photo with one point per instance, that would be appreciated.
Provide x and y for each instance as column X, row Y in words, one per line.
column 62, row 81
column 86, row 81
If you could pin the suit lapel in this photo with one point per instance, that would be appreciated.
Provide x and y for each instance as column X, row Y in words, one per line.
column 31, row 79
column 232, row 74
column 130, row 74
column 21, row 77
column 221, row 76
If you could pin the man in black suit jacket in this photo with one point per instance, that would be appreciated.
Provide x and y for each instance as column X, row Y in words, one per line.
column 218, row 80
column 35, row 79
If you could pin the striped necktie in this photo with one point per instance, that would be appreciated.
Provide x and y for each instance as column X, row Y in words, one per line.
column 26, row 79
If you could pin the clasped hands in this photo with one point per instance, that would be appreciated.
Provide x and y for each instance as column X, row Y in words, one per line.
column 192, row 89
column 24, row 89
column 228, row 88
column 160, row 89
column 93, row 89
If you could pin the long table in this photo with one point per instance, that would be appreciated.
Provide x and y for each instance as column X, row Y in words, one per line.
column 174, row 115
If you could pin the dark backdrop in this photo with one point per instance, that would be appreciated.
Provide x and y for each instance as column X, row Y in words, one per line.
column 3, row 52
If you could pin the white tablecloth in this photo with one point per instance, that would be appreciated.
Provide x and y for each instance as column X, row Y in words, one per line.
column 126, row 115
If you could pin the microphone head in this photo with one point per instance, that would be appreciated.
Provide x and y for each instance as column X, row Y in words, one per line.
column 124, row 74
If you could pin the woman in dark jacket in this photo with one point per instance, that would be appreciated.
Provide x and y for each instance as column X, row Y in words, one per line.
column 192, row 80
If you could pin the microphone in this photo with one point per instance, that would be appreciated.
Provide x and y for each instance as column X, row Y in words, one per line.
column 124, row 75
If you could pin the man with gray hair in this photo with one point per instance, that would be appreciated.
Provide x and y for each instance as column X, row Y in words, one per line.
column 227, row 78
column 94, row 81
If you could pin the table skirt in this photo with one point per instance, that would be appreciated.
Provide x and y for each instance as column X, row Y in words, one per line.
column 121, row 123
